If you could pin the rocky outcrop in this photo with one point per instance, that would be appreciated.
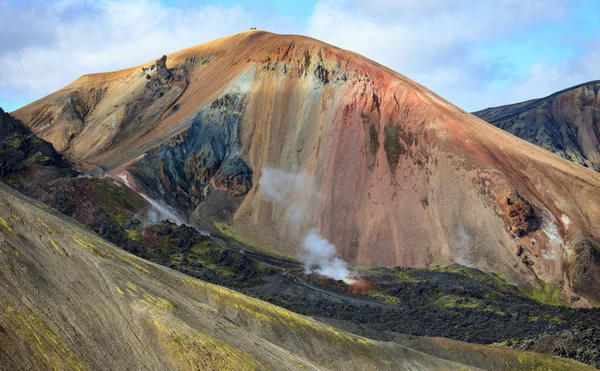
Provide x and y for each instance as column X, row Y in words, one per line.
column 522, row 216
column 202, row 163
column 161, row 68
column 566, row 123
column 25, row 159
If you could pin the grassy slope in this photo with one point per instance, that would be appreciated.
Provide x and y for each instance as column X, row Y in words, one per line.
column 70, row 299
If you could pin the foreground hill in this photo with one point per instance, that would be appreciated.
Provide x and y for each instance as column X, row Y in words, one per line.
column 70, row 300
column 452, row 301
column 566, row 123
column 387, row 170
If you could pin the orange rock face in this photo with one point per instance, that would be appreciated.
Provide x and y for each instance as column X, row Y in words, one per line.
column 403, row 177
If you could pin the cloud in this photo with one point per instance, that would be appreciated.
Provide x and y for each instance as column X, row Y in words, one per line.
column 441, row 44
column 68, row 38
column 470, row 52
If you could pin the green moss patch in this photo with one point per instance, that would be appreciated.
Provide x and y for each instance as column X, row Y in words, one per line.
column 392, row 145
column 373, row 139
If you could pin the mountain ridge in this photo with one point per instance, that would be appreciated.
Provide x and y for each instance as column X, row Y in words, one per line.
column 563, row 122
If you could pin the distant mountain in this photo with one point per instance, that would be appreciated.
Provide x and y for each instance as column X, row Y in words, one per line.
column 566, row 123
column 390, row 173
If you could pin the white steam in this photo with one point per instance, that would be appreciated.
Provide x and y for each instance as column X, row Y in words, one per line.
column 161, row 212
column 320, row 258
column 298, row 193
column 555, row 241
column 158, row 210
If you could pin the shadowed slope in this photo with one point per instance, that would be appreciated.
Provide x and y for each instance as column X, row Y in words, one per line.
column 404, row 177
column 566, row 123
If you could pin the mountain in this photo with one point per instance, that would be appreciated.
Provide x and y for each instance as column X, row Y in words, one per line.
column 261, row 137
column 72, row 301
column 566, row 123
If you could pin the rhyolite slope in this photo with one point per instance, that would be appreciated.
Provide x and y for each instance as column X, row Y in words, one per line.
column 402, row 176
column 71, row 301
column 566, row 123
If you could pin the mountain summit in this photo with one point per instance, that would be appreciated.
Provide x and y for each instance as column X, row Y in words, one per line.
column 397, row 175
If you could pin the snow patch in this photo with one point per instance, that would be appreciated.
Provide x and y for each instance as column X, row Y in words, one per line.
column 566, row 221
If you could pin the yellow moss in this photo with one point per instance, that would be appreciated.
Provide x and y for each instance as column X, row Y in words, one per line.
column 44, row 223
column 453, row 301
column 16, row 218
column 130, row 259
column 196, row 350
column 145, row 297
column 133, row 286
column 120, row 291
column 231, row 232
column 6, row 226
column 132, row 234
column 122, row 256
column 267, row 313
column 56, row 246
column 489, row 277
column 42, row 341
column 11, row 250
column 86, row 243
column 547, row 294
column 381, row 296
column 539, row 362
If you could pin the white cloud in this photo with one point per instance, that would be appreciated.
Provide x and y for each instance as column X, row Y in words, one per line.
column 438, row 44
column 69, row 38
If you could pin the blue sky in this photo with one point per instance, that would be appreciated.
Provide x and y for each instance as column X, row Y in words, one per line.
column 475, row 54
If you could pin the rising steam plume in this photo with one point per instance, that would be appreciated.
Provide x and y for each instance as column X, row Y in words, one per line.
column 299, row 191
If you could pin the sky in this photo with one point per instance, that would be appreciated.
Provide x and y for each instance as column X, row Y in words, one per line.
column 476, row 54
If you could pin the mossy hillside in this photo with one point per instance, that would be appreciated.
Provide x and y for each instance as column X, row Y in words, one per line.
column 100, row 204
column 127, row 313
column 246, row 310
column 474, row 273
column 186, row 250
column 544, row 293
column 270, row 315
column 36, row 336
column 452, row 301
column 24, row 156
column 249, row 243
column 193, row 349
column 489, row 358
